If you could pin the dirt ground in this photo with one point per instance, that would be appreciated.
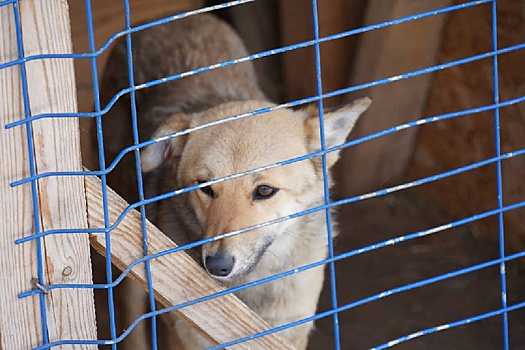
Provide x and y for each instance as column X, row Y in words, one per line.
column 378, row 322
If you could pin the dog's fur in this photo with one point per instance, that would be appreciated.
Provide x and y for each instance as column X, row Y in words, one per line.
column 222, row 150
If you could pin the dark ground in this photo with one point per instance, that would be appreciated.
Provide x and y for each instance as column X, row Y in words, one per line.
column 378, row 322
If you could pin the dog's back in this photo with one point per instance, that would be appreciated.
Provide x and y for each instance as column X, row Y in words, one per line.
column 173, row 48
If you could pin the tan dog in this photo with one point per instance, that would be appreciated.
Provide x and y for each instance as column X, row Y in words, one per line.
column 222, row 150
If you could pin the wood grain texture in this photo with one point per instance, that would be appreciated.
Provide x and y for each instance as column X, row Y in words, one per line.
column 176, row 277
column 387, row 53
column 20, row 325
column 51, row 88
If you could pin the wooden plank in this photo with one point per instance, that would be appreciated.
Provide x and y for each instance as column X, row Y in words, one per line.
column 20, row 323
column 51, row 89
column 177, row 278
column 381, row 54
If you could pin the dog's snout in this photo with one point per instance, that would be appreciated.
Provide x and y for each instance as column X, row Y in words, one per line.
column 219, row 265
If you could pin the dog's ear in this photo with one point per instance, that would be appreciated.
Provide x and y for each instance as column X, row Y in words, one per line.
column 154, row 155
column 337, row 126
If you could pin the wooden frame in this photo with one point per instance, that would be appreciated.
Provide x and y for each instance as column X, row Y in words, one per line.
column 51, row 88
column 71, row 314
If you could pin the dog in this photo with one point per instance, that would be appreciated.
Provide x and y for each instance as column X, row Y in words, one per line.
column 222, row 150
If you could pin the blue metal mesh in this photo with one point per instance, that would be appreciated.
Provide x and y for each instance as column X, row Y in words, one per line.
column 328, row 204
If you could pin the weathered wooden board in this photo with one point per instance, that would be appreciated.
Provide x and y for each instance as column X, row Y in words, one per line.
column 51, row 88
column 20, row 326
column 176, row 277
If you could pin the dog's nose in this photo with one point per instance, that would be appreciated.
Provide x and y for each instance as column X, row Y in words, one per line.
column 219, row 264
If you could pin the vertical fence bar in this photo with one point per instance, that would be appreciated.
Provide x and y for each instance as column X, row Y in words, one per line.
column 102, row 164
column 497, row 134
column 138, row 169
column 326, row 179
column 51, row 89
column 21, row 329
column 32, row 172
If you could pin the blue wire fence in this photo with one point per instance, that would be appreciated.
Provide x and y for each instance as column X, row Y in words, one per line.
column 336, row 308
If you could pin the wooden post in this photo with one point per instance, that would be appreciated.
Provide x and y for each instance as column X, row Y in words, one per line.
column 51, row 88
column 381, row 54
column 20, row 326
column 176, row 278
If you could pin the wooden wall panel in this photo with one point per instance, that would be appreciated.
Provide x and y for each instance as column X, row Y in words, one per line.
column 381, row 54
column 454, row 143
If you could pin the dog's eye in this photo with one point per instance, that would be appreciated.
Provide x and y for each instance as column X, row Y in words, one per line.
column 264, row 192
column 206, row 190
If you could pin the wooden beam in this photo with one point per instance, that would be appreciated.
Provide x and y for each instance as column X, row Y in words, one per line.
column 51, row 89
column 381, row 54
column 20, row 323
column 177, row 278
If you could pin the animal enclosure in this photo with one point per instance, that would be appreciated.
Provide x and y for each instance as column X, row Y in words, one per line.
column 447, row 121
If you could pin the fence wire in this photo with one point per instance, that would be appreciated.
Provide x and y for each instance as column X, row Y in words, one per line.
column 106, row 166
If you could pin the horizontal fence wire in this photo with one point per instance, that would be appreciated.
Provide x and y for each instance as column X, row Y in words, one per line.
column 9, row 2
column 281, row 50
column 354, row 252
column 351, row 143
column 135, row 148
column 236, row 3
column 230, row 177
column 312, row 318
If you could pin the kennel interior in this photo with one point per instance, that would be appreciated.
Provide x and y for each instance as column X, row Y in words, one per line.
column 430, row 189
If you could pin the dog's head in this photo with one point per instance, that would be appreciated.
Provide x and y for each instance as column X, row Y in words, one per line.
column 242, row 145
